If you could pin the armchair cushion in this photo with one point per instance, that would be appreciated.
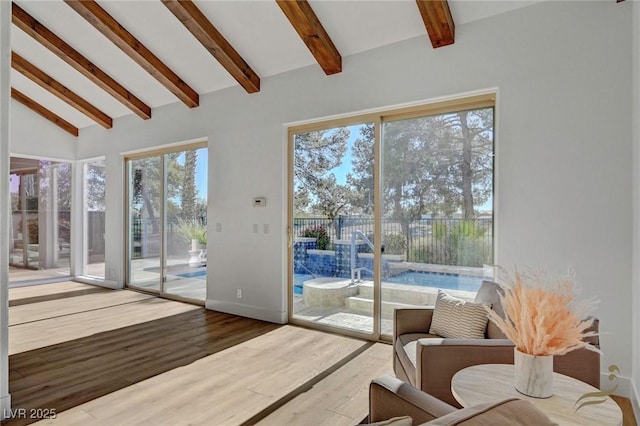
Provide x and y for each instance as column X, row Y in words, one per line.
column 508, row 412
column 406, row 350
column 454, row 318
column 395, row 421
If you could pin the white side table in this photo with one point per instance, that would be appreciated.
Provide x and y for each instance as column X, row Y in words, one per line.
column 494, row 382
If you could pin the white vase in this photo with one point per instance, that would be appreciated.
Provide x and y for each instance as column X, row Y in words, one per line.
column 533, row 374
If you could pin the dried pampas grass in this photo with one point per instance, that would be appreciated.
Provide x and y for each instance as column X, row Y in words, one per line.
column 543, row 315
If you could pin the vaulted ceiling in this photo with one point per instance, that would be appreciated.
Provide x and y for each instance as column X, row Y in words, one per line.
column 82, row 63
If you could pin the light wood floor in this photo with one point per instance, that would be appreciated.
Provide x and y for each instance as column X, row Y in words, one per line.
column 103, row 357
column 121, row 357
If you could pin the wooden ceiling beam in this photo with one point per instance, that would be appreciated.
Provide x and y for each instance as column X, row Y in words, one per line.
column 54, row 87
column 49, row 115
column 204, row 31
column 110, row 28
column 438, row 21
column 308, row 26
column 75, row 59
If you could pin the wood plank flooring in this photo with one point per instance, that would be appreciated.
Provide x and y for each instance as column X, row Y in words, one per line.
column 43, row 292
column 49, row 309
column 629, row 419
column 339, row 399
column 120, row 357
column 37, row 334
column 225, row 388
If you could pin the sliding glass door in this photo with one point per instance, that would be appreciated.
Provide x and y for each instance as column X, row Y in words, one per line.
column 94, row 218
column 167, row 223
column 40, row 226
column 437, row 209
column 386, row 212
column 146, row 186
column 332, row 211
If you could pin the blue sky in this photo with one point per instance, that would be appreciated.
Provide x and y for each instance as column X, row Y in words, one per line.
column 201, row 172
column 347, row 166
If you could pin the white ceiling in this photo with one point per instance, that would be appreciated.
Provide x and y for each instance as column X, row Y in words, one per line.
column 258, row 30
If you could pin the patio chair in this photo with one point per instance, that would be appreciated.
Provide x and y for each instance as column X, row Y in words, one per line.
column 428, row 361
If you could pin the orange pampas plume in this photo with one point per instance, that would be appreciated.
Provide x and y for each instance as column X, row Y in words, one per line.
column 543, row 316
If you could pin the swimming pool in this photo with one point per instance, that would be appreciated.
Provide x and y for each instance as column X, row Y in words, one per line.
column 200, row 273
column 438, row 280
column 422, row 279
column 298, row 279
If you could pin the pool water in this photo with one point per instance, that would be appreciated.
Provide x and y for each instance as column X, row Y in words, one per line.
column 193, row 274
column 422, row 279
column 298, row 279
column 432, row 279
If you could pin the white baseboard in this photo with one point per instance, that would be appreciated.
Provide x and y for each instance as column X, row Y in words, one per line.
column 624, row 385
column 635, row 400
column 5, row 406
column 248, row 311
column 102, row 283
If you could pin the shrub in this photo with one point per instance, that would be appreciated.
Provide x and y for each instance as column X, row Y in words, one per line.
column 394, row 243
column 318, row 232
column 192, row 230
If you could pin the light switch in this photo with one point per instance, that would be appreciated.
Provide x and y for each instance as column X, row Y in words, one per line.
column 265, row 228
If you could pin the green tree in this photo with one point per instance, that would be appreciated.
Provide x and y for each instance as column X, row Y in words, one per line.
column 189, row 191
column 146, row 186
column 437, row 164
column 317, row 153
column 96, row 185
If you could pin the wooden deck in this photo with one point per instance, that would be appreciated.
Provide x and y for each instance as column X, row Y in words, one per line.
column 107, row 357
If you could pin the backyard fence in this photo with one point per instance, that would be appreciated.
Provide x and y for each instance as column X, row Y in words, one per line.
column 146, row 236
column 442, row 241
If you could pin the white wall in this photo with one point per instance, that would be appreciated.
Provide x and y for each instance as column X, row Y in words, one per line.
column 5, row 70
column 564, row 151
column 635, row 304
column 34, row 136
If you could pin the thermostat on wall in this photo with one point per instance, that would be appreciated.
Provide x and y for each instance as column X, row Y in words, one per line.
column 259, row 202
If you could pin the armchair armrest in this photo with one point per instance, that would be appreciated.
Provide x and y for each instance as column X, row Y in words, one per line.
column 411, row 320
column 438, row 359
column 390, row 397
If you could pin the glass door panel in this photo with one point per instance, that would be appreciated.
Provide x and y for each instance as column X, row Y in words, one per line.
column 40, row 227
column 94, row 199
column 145, row 222
column 17, row 254
column 437, row 209
column 185, row 266
column 24, row 250
column 332, row 227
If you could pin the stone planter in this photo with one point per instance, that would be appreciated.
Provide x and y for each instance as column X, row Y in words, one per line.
column 533, row 374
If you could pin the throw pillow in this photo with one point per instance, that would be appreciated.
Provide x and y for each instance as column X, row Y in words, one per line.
column 457, row 319
column 396, row 421
column 489, row 293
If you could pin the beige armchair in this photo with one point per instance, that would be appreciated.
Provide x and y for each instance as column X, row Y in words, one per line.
column 429, row 362
column 391, row 398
